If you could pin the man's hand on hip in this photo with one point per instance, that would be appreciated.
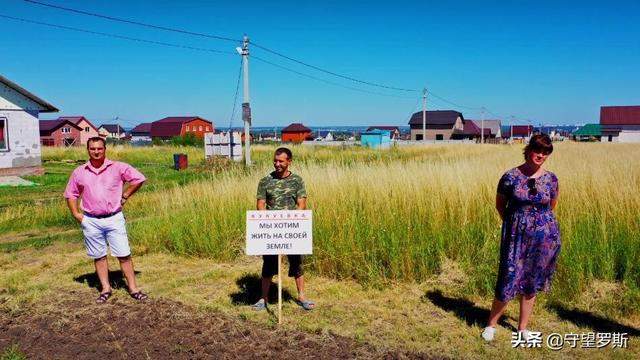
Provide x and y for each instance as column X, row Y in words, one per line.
column 79, row 217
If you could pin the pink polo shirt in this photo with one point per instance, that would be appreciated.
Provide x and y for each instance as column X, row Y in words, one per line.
column 101, row 189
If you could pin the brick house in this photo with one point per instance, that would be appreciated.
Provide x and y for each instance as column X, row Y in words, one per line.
column 296, row 133
column 179, row 126
column 470, row 131
column 88, row 130
column 493, row 126
column 440, row 124
column 620, row 123
column 60, row 132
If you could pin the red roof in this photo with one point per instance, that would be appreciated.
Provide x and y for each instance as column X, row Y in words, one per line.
column 49, row 126
column 77, row 119
column 171, row 126
column 144, row 128
column 469, row 128
column 296, row 128
column 519, row 130
column 620, row 115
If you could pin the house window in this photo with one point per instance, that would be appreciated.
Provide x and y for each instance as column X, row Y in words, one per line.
column 208, row 129
column 86, row 129
column 419, row 137
column 65, row 130
column 4, row 144
column 187, row 127
column 47, row 142
column 439, row 137
column 199, row 128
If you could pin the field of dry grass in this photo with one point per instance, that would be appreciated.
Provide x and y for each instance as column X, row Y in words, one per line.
column 405, row 242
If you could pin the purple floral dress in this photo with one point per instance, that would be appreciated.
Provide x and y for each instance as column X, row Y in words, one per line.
column 530, row 241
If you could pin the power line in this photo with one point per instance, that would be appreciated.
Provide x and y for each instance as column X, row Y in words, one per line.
column 116, row 36
column 217, row 37
column 112, row 18
column 331, row 72
column 512, row 118
column 181, row 31
column 326, row 81
column 451, row 102
column 63, row 27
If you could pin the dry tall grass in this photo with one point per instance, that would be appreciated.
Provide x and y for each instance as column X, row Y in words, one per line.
column 397, row 214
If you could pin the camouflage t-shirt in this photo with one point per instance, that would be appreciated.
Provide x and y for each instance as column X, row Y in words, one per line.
column 281, row 194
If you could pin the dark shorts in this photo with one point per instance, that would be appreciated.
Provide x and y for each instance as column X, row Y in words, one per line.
column 270, row 265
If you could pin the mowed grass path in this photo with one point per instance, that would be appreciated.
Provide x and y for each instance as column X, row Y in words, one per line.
column 400, row 215
column 429, row 317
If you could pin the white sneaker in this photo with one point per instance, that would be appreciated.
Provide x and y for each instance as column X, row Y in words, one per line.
column 488, row 333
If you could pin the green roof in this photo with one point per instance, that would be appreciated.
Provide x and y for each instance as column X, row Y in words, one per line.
column 589, row 130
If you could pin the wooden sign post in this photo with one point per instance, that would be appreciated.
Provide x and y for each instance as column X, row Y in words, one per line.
column 279, row 289
column 279, row 232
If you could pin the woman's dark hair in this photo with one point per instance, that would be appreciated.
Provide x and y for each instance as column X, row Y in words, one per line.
column 284, row 150
column 540, row 143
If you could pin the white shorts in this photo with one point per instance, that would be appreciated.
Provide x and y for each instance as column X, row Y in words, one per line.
column 100, row 233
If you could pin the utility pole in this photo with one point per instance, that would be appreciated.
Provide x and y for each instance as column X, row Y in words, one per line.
column 482, row 126
column 246, row 108
column 118, row 126
column 424, row 114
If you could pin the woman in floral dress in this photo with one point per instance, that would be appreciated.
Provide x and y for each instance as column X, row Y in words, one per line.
column 530, row 241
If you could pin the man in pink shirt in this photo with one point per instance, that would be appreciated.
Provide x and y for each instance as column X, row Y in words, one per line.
column 99, row 184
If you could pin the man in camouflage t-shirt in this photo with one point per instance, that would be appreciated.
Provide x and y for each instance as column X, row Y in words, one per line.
column 282, row 190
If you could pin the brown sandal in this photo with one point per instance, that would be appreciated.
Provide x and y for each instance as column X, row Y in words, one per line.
column 140, row 296
column 103, row 297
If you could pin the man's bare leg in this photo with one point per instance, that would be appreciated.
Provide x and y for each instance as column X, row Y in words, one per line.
column 266, row 285
column 126, row 265
column 102, row 269
column 300, row 287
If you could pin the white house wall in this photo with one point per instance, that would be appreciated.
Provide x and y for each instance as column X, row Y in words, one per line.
column 629, row 136
column 23, row 136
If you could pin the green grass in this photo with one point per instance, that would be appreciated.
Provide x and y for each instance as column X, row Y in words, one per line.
column 434, row 317
column 12, row 353
column 379, row 216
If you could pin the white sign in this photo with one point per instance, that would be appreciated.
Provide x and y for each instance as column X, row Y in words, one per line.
column 274, row 232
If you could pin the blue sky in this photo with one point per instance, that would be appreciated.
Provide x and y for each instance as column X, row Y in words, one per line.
column 548, row 62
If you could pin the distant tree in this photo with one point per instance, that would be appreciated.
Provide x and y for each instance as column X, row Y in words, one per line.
column 188, row 139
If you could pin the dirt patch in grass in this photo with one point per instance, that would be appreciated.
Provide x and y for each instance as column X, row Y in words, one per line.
column 76, row 328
